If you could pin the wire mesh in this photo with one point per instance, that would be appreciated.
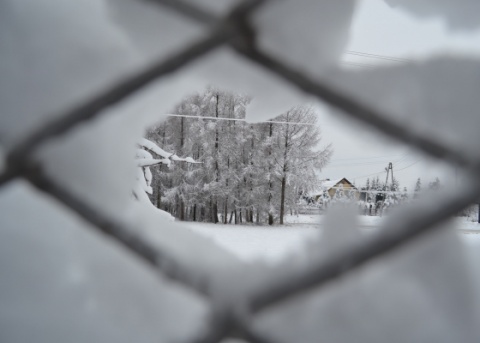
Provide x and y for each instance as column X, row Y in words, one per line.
column 235, row 31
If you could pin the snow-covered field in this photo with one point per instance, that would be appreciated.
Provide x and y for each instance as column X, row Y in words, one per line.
column 273, row 243
column 251, row 243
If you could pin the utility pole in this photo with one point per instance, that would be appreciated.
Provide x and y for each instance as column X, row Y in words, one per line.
column 389, row 170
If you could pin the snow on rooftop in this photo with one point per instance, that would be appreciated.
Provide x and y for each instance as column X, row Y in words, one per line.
column 327, row 184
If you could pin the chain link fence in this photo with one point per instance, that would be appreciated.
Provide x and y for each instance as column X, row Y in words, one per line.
column 235, row 31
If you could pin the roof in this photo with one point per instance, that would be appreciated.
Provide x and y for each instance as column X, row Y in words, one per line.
column 325, row 185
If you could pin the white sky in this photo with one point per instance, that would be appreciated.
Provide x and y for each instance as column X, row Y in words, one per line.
column 379, row 29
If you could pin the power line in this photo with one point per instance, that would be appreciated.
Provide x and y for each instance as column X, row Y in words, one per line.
column 409, row 165
column 381, row 57
column 361, row 65
column 354, row 161
column 404, row 159
column 359, row 164
column 239, row 119
column 359, row 177
column 396, row 171
column 369, row 157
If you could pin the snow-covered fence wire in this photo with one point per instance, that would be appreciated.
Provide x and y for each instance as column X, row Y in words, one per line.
column 233, row 312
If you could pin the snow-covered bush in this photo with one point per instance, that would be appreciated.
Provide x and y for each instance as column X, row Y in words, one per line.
column 144, row 161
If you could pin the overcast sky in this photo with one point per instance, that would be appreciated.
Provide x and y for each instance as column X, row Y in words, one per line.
column 380, row 29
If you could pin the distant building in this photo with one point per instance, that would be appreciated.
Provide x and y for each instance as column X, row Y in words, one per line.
column 332, row 187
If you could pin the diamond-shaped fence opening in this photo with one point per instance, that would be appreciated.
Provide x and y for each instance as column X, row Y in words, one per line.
column 234, row 30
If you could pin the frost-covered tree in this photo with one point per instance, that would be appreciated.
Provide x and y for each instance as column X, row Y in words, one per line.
column 435, row 184
column 201, row 193
column 145, row 160
column 418, row 188
column 250, row 172
column 404, row 196
column 297, row 154
column 395, row 186
column 418, row 185
column 377, row 185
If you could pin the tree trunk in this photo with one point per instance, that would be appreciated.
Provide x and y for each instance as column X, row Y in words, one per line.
column 284, row 178
column 225, row 212
column 270, row 218
column 270, row 184
column 182, row 138
column 282, row 200
column 177, row 205
column 217, row 169
column 209, row 214
column 159, row 198
column 182, row 210
column 215, row 212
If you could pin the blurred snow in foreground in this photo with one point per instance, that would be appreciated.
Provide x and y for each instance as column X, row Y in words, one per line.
column 59, row 282
column 407, row 295
column 273, row 244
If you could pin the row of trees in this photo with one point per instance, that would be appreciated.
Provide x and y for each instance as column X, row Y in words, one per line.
column 377, row 197
column 375, row 185
column 394, row 186
column 249, row 172
column 432, row 185
column 392, row 191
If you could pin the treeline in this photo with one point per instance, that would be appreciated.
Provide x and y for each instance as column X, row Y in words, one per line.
column 250, row 172
column 394, row 186
column 382, row 200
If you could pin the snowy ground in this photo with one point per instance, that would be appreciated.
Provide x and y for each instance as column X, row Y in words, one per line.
column 250, row 242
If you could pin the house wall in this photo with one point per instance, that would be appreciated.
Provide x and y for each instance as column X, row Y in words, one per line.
column 346, row 186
